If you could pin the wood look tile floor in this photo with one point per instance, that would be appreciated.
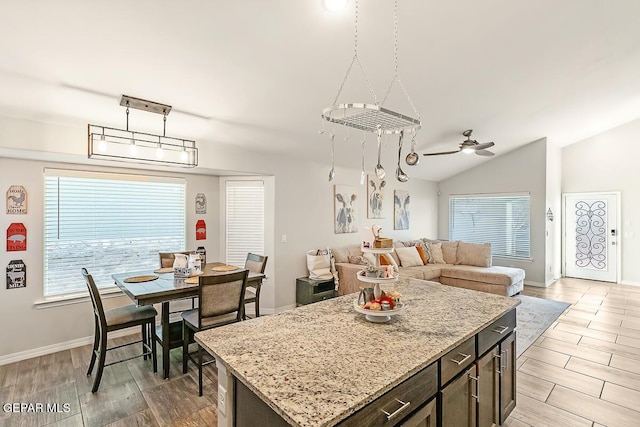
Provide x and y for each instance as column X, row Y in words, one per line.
column 585, row 368
column 583, row 371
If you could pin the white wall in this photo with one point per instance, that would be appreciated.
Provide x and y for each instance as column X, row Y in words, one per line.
column 522, row 170
column 302, row 209
column 608, row 162
column 553, row 246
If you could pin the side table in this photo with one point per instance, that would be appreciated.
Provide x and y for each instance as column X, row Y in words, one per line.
column 310, row 290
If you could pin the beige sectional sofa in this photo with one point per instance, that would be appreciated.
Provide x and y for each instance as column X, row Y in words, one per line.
column 466, row 265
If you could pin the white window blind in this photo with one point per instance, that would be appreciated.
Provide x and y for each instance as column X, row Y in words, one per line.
column 244, row 220
column 107, row 223
column 502, row 220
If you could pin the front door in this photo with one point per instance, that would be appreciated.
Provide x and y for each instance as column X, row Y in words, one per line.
column 591, row 236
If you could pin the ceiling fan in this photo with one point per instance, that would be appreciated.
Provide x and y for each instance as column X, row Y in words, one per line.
column 469, row 146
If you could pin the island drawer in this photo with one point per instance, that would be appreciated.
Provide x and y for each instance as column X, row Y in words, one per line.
column 393, row 406
column 456, row 360
column 495, row 332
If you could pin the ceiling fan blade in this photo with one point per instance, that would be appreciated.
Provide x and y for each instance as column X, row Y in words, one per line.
column 443, row 152
column 482, row 146
column 485, row 153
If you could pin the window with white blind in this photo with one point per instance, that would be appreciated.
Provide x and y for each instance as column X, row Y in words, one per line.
column 107, row 223
column 500, row 219
column 244, row 220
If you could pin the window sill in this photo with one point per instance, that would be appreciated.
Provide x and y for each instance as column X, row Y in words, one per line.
column 77, row 298
column 513, row 258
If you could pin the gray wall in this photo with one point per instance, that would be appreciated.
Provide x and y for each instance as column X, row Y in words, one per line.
column 522, row 170
column 299, row 203
column 607, row 162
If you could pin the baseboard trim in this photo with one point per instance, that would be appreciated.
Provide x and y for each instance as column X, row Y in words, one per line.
column 536, row 284
column 629, row 282
column 54, row 348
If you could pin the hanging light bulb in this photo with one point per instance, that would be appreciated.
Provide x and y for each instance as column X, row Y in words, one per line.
column 133, row 148
column 159, row 151
column 102, row 145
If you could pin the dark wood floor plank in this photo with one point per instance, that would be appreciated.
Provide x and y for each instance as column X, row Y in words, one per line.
column 178, row 398
column 111, row 404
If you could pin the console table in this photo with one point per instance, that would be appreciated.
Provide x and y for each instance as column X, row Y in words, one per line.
column 449, row 354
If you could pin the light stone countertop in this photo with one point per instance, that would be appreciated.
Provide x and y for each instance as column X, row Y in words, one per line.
column 317, row 364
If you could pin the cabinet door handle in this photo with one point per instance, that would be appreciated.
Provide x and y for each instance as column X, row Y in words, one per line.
column 476, row 396
column 404, row 406
column 505, row 359
column 465, row 357
column 499, row 357
column 501, row 330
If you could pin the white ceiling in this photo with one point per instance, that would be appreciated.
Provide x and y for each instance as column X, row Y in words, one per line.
column 257, row 74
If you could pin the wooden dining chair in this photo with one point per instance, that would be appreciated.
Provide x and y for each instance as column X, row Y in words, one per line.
column 257, row 264
column 114, row 320
column 221, row 303
column 167, row 258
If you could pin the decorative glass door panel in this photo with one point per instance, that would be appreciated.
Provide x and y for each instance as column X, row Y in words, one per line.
column 591, row 236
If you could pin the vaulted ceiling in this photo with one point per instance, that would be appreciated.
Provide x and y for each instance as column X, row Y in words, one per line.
column 257, row 74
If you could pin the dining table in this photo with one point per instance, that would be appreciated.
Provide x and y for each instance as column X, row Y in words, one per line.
column 162, row 287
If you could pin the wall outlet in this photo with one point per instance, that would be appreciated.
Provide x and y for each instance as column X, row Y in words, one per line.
column 284, row 238
column 222, row 400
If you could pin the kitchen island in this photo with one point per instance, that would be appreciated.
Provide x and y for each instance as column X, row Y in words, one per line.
column 324, row 364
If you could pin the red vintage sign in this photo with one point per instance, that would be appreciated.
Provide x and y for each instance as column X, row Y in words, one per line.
column 201, row 230
column 16, row 237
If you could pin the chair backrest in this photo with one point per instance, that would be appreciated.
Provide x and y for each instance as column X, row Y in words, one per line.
column 256, row 263
column 222, row 294
column 96, row 300
column 167, row 258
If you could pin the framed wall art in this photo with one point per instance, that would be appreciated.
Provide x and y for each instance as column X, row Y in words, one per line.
column 201, row 203
column 375, row 197
column 401, row 210
column 16, row 274
column 345, row 209
column 16, row 200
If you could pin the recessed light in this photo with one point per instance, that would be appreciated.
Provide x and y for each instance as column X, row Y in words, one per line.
column 334, row 5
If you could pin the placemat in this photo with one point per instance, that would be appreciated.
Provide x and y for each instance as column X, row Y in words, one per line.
column 138, row 279
column 224, row 268
column 192, row 280
column 164, row 270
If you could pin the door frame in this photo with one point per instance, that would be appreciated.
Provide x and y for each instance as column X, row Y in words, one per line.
column 618, row 195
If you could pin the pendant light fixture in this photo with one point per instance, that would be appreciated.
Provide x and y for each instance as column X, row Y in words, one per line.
column 139, row 147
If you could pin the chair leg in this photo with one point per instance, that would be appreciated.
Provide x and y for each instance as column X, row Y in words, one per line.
column 96, row 341
column 143, row 328
column 154, row 353
column 101, row 358
column 257, row 305
column 199, row 370
column 185, row 347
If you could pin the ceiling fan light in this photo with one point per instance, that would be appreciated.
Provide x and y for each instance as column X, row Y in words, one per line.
column 467, row 150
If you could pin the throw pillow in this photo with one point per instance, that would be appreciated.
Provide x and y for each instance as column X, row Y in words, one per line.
column 423, row 254
column 357, row 259
column 436, row 253
column 449, row 250
column 409, row 257
column 478, row 254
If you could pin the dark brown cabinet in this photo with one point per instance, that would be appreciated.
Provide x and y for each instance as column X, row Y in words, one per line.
column 458, row 401
column 507, row 375
column 427, row 416
column 488, row 389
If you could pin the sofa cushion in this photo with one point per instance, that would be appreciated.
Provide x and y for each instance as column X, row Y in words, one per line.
column 409, row 257
column 478, row 254
column 449, row 251
column 496, row 275
column 343, row 253
column 435, row 253
column 411, row 272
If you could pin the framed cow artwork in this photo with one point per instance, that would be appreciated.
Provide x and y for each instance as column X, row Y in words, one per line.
column 345, row 209
column 401, row 210
column 375, row 197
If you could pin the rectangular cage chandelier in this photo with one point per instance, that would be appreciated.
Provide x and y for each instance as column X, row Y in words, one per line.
column 139, row 147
